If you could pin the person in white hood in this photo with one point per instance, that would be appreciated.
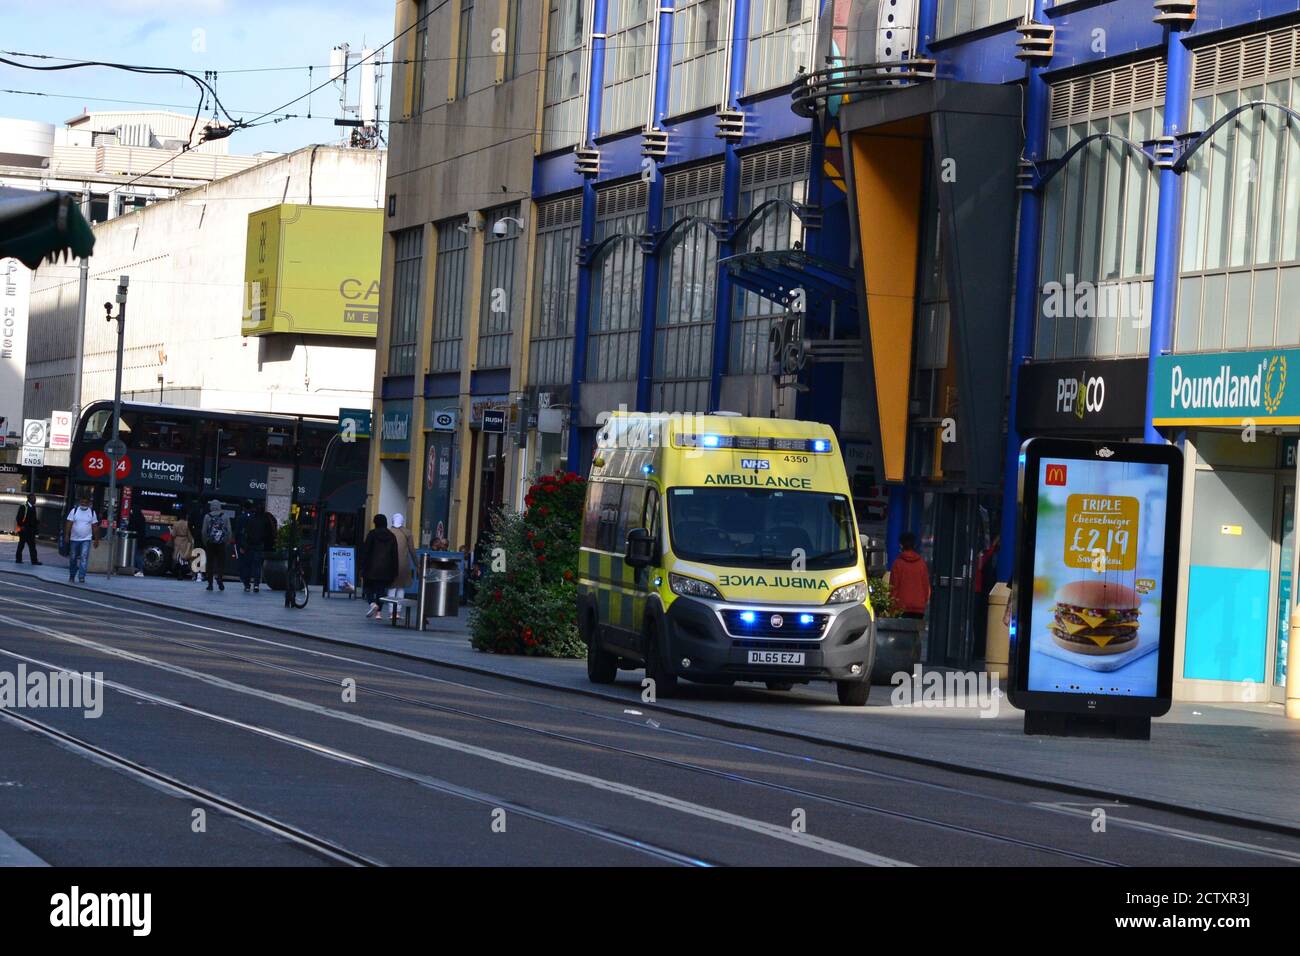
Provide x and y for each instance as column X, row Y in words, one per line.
column 405, row 560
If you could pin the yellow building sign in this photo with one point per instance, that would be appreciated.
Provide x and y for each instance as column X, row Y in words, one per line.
column 312, row 270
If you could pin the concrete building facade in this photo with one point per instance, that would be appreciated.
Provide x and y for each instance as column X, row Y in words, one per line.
column 185, row 257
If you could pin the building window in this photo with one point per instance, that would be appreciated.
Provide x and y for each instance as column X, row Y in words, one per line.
column 555, row 292
column 1241, row 215
column 1099, row 216
column 782, row 36
column 615, row 321
column 420, row 57
column 772, row 174
column 629, row 59
column 516, row 62
column 408, row 268
column 463, row 47
column 955, row 17
column 497, row 306
column 699, row 48
column 687, row 301
column 449, row 295
column 563, row 122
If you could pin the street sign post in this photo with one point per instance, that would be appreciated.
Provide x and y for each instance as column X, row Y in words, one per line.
column 60, row 431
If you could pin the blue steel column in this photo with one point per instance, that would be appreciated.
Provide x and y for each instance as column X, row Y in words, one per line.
column 1168, row 221
column 730, row 203
column 654, row 214
column 582, row 308
column 1025, row 315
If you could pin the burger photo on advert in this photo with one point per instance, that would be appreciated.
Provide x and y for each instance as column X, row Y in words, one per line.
column 1096, row 617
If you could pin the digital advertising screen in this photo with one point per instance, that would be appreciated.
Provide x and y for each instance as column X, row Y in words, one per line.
column 1099, row 570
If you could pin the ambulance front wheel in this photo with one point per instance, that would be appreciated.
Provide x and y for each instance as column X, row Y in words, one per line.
column 602, row 666
column 853, row 693
column 665, row 682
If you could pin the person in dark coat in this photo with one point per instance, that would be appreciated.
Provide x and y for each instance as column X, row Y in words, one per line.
column 378, row 561
column 26, row 524
column 254, row 533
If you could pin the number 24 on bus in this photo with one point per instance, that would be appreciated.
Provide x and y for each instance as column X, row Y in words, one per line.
column 95, row 464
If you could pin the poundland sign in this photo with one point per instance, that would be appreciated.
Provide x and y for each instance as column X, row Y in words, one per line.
column 1226, row 388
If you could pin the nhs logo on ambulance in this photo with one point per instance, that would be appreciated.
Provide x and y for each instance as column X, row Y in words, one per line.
column 757, row 464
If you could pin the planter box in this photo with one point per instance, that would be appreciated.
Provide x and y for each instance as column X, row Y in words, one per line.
column 898, row 647
column 275, row 569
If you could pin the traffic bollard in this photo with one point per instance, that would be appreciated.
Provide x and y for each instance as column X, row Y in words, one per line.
column 997, row 645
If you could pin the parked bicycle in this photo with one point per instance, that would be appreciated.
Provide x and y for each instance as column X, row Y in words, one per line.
column 296, row 591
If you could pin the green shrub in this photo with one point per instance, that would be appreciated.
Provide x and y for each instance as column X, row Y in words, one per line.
column 882, row 598
column 526, row 601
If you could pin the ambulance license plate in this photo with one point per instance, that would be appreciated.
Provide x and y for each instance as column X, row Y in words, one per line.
column 792, row 658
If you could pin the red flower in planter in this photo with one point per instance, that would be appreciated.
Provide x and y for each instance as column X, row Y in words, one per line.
column 568, row 575
column 496, row 595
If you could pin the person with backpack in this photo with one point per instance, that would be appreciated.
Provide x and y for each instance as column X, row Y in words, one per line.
column 26, row 524
column 216, row 539
column 81, row 532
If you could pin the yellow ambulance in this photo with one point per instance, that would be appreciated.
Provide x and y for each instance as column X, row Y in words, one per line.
column 718, row 548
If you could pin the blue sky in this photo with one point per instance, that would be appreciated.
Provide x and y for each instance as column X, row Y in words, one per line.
column 196, row 35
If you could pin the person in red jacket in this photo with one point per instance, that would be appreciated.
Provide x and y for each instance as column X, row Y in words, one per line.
column 909, row 579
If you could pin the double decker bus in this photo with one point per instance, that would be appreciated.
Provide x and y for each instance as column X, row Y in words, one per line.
column 178, row 459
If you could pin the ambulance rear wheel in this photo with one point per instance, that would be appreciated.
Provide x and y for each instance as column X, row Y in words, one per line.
column 853, row 693
column 602, row 666
column 665, row 684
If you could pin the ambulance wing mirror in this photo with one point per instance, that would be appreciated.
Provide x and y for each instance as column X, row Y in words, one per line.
column 640, row 551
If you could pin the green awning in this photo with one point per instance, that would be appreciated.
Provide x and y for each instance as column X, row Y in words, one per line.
column 39, row 226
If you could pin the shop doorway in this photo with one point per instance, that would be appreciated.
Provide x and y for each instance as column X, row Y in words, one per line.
column 955, row 533
column 492, row 480
column 1286, row 595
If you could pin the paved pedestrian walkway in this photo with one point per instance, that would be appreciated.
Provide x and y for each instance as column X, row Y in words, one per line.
column 1239, row 760
column 13, row 853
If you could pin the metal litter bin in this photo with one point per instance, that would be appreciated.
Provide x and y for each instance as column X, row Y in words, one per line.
column 439, row 588
column 124, row 550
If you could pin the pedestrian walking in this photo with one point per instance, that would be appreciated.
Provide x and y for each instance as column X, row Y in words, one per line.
column 182, row 548
column 81, row 531
column 378, row 563
column 26, row 524
column 138, row 527
column 216, row 539
column 405, row 560
column 909, row 579
column 254, row 533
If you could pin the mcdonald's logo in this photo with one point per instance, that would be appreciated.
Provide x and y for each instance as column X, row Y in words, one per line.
column 1056, row 474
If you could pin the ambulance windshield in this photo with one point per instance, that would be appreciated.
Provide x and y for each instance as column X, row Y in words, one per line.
column 751, row 527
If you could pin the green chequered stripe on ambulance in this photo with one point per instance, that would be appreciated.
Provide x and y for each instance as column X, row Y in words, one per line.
column 619, row 601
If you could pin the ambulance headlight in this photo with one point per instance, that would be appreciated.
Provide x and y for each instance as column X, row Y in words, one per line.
column 849, row 594
column 692, row 587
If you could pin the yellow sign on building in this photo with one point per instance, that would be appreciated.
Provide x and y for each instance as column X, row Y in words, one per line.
column 312, row 270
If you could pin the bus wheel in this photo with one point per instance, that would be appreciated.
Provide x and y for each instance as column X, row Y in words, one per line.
column 853, row 693
column 665, row 683
column 154, row 557
column 602, row 666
